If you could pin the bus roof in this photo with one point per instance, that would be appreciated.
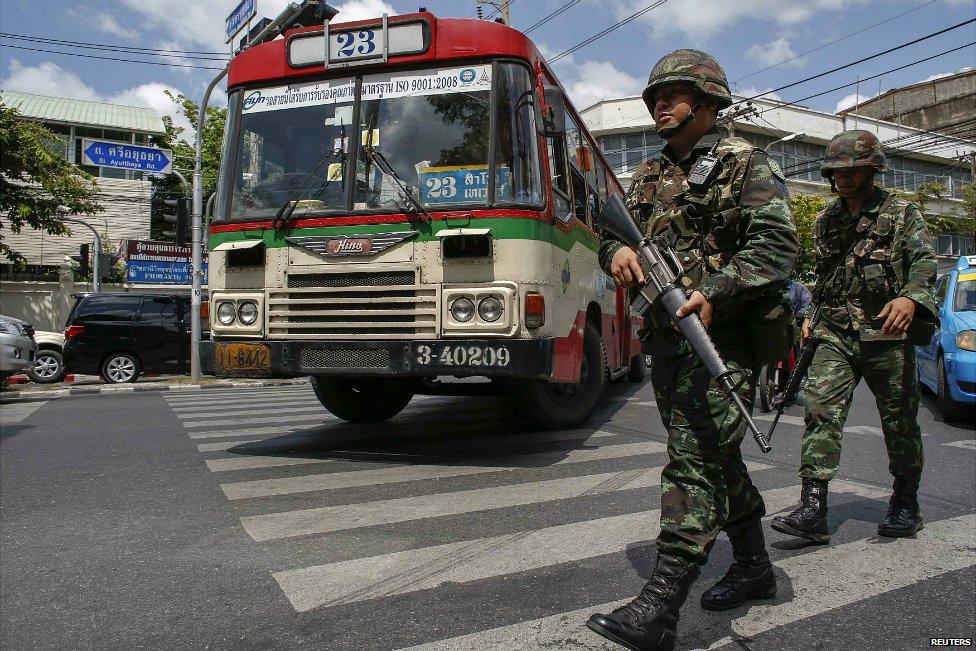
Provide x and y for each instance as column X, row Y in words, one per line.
column 450, row 39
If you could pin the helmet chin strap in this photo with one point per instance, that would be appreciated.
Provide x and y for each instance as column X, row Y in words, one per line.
column 672, row 130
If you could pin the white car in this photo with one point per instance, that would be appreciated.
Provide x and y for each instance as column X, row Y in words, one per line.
column 16, row 346
column 48, row 363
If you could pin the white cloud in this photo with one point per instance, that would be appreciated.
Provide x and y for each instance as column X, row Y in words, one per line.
column 153, row 95
column 773, row 52
column 107, row 23
column 752, row 91
column 707, row 17
column 849, row 101
column 592, row 81
column 46, row 79
column 940, row 75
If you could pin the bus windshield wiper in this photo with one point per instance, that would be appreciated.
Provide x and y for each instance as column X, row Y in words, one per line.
column 387, row 169
column 284, row 213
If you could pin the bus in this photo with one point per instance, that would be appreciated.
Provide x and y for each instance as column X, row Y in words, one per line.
column 409, row 201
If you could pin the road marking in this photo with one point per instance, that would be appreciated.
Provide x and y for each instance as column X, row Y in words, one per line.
column 226, row 445
column 252, row 431
column 351, row 516
column 462, row 562
column 942, row 547
column 647, row 403
column 250, row 405
column 248, row 462
column 965, row 444
column 785, row 418
column 12, row 413
column 218, row 396
column 512, row 462
column 322, row 415
column 257, row 410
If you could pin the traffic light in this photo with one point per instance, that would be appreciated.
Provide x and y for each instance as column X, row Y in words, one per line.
column 83, row 257
column 105, row 265
column 177, row 211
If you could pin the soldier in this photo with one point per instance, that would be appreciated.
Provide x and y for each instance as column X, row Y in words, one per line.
column 723, row 206
column 876, row 257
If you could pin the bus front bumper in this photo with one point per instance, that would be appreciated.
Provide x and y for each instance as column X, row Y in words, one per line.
column 518, row 358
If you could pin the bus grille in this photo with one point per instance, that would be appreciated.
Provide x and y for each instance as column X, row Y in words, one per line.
column 356, row 305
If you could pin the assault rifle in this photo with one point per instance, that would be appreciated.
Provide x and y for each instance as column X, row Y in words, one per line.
column 662, row 272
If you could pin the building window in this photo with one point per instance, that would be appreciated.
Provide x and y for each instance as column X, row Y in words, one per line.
column 625, row 152
column 955, row 245
column 798, row 160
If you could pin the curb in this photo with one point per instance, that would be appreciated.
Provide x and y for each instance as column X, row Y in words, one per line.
column 29, row 396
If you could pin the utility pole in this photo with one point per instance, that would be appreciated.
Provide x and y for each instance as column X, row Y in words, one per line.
column 501, row 6
column 96, row 258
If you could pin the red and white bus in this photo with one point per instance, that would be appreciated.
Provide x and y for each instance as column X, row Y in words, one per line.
column 420, row 206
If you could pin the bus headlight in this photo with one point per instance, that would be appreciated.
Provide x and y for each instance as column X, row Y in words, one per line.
column 462, row 310
column 226, row 314
column 490, row 309
column 248, row 312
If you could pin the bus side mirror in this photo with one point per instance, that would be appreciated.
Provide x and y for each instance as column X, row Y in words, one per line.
column 553, row 111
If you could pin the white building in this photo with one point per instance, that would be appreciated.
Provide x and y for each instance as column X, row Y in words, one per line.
column 625, row 132
column 124, row 195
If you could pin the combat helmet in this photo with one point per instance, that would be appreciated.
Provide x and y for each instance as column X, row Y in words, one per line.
column 855, row 148
column 689, row 66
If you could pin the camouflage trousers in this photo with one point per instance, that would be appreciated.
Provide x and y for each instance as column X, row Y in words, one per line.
column 705, row 487
column 840, row 362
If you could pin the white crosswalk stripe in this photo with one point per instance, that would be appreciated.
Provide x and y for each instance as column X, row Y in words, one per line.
column 965, row 444
column 221, row 395
column 309, row 507
column 16, row 412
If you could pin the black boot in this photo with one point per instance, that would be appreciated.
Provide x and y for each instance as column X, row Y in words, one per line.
column 903, row 517
column 810, row 520
column 650, row 621
column 750, row 576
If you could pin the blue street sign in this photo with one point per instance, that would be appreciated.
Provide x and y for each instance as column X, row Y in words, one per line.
column 127, row 157
column 462, row 184
column 160, row 271
column 242, row 13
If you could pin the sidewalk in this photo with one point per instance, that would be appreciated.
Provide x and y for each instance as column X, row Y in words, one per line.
column 93, row 385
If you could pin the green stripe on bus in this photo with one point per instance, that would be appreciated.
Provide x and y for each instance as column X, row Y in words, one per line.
column 505, row 228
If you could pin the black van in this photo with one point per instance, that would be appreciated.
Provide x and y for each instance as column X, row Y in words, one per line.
column 121, row 336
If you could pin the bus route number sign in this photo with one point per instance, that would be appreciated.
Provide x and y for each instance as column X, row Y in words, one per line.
column 462, row 184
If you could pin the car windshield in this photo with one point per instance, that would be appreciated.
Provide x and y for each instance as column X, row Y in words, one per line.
column 965, row 299
column 434, row 134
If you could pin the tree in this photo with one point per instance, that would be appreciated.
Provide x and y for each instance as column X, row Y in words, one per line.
column 35, row 180
column 944, row 223
column 183, row 147
column 805, row 209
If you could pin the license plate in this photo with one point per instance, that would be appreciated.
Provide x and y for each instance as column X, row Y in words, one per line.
column 463, row 355
column 240, row 358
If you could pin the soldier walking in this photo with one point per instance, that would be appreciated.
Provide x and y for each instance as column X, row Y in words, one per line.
column 723, row 206
column 876, row 267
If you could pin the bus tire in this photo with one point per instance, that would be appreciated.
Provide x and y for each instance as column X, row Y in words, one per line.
column 556, row 405
column 362, row 399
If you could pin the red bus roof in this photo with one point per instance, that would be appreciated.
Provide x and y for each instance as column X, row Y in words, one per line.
column 451, row 39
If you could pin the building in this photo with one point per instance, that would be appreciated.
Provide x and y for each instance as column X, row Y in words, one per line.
column 125, row 195
column 625, row 133
column 946, row 104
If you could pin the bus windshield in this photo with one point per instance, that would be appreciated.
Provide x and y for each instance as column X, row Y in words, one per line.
column 427, row 132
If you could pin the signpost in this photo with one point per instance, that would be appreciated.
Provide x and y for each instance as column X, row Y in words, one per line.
column 125, row 156
column 242, row 14
column 149, row 261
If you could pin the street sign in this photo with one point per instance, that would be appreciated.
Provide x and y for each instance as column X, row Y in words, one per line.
column 238, row 18
column 148, row 261
column 137, row 158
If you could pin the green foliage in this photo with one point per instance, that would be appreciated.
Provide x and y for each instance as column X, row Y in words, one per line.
column 183, row 144
column 948, row 223
column 35, row 180
column 805, row 209
column 117, row 272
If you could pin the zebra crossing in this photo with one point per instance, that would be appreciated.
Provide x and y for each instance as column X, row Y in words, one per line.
column 453, row 502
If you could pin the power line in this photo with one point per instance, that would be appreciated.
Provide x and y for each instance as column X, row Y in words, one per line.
column 566, row 7
column 94, row 56
column 183, row 54
column 854, row 63
column 816, row 49
column 599, row 35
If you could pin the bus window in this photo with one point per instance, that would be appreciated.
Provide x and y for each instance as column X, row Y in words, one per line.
column 560, row 180
column 579, row 195
column 517, row 146
column 601, row 175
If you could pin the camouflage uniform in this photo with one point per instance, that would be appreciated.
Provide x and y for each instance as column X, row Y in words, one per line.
column 892, row 257
column 736, row 239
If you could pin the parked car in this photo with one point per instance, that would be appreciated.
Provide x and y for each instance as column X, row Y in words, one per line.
column 16, row 346
column 48, row 361
column 121, row 336
column 947, row 365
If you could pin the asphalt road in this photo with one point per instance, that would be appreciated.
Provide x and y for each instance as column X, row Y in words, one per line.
column 249, row 518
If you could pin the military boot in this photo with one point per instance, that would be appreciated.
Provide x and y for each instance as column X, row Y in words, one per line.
column 810, row 519
column 750, row 576
column 650, row 621
column 903, row 517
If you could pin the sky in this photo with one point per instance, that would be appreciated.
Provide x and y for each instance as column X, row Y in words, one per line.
column 762, row 44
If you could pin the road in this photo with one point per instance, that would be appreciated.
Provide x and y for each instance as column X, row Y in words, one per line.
column 248, row 518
